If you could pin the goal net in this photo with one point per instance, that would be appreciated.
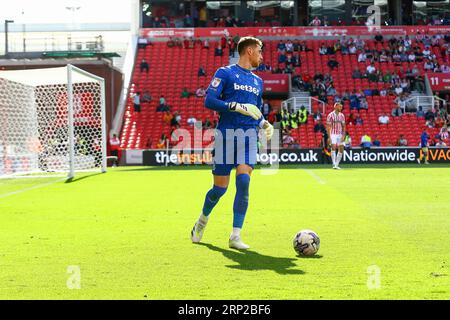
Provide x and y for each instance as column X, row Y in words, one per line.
column 51, row 120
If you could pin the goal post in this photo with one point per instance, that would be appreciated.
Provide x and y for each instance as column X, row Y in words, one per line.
column 52, row 120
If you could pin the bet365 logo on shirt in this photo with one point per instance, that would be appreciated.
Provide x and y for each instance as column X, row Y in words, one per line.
column 246, row 87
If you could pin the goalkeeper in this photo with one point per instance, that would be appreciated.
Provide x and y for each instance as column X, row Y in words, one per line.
column 236, row 93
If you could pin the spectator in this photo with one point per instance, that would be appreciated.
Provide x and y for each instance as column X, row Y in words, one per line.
column 185, row 93
column 371, row 69
column 202, row 17
column 218, row 52
column 144, row 66
column 201, row 72
column 207, row 124
column 206, row 44
column 362, row 57
column 223, row 42
column 402, row 142
column 384, row 57
column 356, row 74
column 426, row 52
column 282, row 58
column 347, row 141
column 443, row 133
column 323, row 49
column 281, row 47
column 401, row 102
column 288, row 140
column 429, row 123
column 176, row 120
column 315, row 22
column 137, row 102
column 398, row 90
column 439, row 122
column 170, row 43
column 363, row 104
column 229, row 23
column 201, row 92
column 162, row 142
column 332, row 63
column 146, row 97
column 191, row 121
column 177, row 42
column 420, row 113
column 429, row 115
column 289, row 46
column 272, row 117
column 317, row 115
column 266, row 108
column 114, row 144
column 167, row 117
column 404, row 83
column 351, row 120
column 331, row 91
column 359, row 121
column 428, row 65
column 319, row 127
column 220, row 23
column 397, row 112
column 354, row 102
column 383, row 119
column 277, row 69
column 333, row 48
column 187, row 21
column 366, row 141
column 162, row 105
column 379, row 37
column 376, row 142
column 231, row 47
column 142, row 43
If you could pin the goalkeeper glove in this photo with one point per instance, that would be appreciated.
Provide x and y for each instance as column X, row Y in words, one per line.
column 247, row 109
column 267, row 127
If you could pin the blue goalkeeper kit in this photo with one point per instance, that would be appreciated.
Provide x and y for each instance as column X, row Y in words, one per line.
column 234, row 84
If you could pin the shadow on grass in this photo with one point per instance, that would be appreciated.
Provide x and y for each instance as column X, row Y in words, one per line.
column 70, row 180
column 250, row 260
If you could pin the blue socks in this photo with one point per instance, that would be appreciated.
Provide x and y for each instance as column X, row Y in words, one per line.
column 241, row 200
column 211, row 199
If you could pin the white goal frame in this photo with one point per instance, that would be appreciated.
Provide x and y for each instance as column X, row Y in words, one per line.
column 56, row 97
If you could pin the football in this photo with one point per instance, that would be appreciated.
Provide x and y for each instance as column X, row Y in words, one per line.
column 306, row 243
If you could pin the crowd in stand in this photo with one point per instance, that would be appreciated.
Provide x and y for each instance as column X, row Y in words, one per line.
column 416, row 50
column 200, row 19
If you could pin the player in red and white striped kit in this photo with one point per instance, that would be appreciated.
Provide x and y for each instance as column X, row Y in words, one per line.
column 336, row 129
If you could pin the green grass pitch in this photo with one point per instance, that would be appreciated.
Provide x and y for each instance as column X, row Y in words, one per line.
column 128, row 232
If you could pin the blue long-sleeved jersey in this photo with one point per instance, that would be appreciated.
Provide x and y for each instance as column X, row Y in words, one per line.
column 234, row 84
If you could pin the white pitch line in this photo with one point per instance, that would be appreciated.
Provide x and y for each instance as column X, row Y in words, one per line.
column 30, row 188
column 315, row 176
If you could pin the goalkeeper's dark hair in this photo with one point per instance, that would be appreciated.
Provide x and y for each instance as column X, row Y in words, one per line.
column 246, row 42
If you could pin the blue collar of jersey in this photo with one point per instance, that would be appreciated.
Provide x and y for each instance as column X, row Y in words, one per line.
column 243, row 69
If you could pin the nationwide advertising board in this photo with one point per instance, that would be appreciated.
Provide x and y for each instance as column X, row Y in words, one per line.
column 298, row 156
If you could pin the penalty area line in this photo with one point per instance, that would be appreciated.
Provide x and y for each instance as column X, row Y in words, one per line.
column 30, row 188
column 315, row 176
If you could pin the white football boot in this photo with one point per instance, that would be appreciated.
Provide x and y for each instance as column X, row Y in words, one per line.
column 197, row 231
column 236, row 243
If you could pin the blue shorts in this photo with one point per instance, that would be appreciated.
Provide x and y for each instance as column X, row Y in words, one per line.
column 230, row 152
